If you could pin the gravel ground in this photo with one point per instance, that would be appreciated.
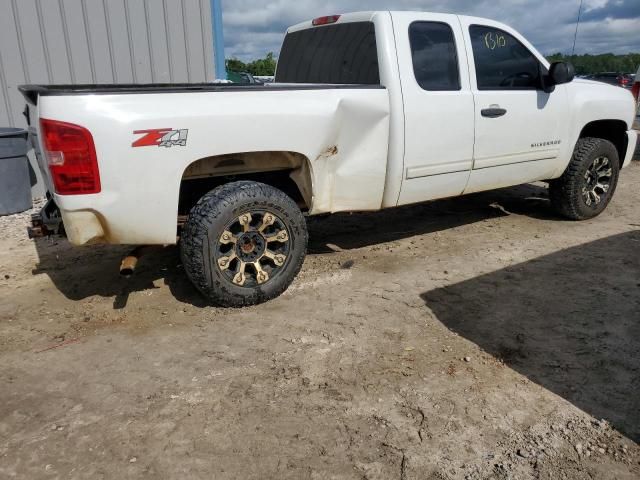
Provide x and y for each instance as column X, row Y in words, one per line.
column 473, row 338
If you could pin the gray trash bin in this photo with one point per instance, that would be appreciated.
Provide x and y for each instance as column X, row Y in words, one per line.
column 15, row 185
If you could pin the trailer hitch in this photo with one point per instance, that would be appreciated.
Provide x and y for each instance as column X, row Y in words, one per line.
column 47, row 222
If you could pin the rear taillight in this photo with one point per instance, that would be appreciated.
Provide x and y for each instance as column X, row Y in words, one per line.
column 71, row 157
column 325, row 20
column 636, row 90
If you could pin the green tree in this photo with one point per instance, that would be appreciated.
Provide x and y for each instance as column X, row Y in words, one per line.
column 606, row 62
column 262, row 66
column 235, row 65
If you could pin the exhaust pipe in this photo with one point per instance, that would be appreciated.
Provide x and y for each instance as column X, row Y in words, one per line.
column 129, row 263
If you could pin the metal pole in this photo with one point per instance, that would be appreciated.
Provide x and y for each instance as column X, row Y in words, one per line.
column 218, row 39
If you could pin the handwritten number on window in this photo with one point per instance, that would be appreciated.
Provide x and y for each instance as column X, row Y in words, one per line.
column 494, row 40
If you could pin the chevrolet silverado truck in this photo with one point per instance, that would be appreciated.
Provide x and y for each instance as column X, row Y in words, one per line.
column 368, row 111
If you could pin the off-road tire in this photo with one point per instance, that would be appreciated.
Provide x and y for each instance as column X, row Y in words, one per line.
column 205, row 228
column 566, row 192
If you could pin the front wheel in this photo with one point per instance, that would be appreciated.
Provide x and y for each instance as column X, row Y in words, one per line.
column 586, row 187
column 243, row 243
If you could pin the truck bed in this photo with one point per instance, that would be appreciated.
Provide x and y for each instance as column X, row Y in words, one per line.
column 333, row 137
column 31, row 92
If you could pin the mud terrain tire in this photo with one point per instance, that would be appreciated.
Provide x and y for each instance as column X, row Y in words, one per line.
column 577, row 195
column 243, row 243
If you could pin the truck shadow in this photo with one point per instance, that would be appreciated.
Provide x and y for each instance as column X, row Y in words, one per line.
column 568, row 321
column 348, row 231
column 79, row 273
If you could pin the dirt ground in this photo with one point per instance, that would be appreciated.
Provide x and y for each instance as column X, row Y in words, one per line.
column 474, row 338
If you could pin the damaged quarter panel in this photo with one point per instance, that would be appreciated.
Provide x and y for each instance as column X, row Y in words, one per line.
column 343, row 133
column 349, row 173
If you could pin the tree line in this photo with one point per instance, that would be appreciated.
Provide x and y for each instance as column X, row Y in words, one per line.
column 263, row 66
column 606, row 62
column 585, row 64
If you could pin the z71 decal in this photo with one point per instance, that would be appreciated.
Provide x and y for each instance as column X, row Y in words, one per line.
column 161, row 137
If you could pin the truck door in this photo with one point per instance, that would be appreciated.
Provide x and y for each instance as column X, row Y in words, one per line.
column 518, row 127
column 438, row 106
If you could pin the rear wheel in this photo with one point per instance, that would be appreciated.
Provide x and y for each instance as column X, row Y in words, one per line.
column 586, row 187
column 243, row 243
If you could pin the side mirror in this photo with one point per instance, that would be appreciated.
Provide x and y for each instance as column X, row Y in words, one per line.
column 561, row 72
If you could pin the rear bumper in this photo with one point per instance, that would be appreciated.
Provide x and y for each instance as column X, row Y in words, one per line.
column 80, row 227
column 84, row 228
column 632, row 143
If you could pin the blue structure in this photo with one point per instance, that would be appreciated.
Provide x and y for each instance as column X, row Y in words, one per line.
column 218, row 39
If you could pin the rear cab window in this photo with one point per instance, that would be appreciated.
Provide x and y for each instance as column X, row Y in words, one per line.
column 434, row 55
column 343, row 53
column 502, row 62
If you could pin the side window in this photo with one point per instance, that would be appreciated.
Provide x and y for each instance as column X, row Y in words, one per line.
column 435, row 61
column 502, row 62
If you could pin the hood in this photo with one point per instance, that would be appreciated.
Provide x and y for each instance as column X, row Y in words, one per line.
column 586, row 81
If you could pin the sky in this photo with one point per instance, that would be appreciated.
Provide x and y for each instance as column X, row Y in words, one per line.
column 252, row 28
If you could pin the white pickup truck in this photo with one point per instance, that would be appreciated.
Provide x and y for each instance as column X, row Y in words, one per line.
column 368, row 111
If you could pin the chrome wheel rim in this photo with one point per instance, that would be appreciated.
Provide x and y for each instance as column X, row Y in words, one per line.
column 253, row 248
column 597, row 181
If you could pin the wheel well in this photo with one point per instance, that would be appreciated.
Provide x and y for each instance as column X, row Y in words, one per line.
column 613, row 130
column 286, row 171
